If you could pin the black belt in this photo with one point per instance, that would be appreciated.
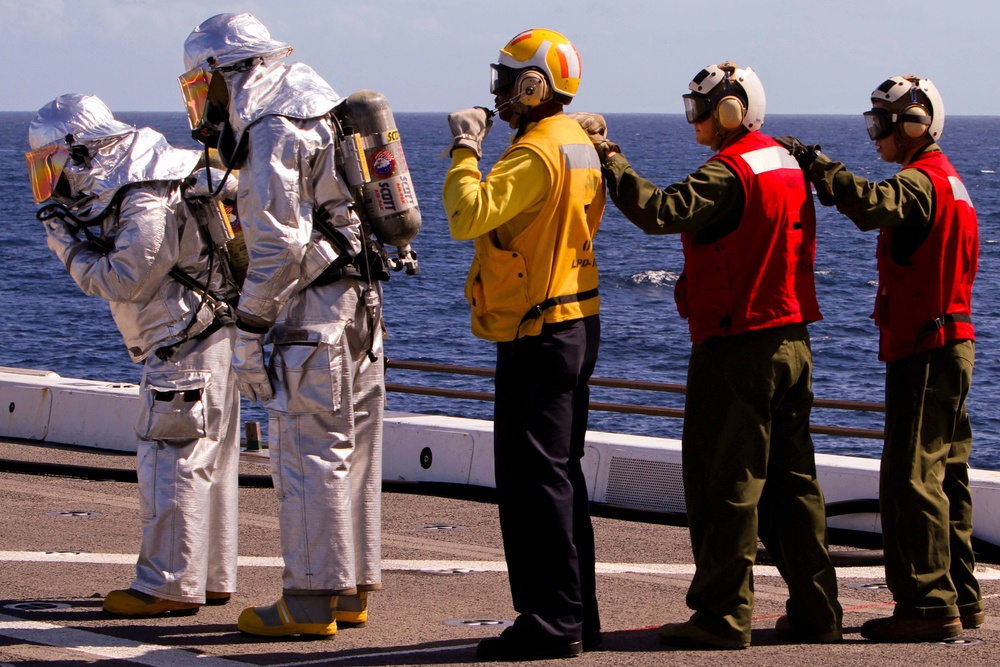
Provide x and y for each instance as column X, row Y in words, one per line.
column 164, row 353
column 537, row 310
column 937, row 324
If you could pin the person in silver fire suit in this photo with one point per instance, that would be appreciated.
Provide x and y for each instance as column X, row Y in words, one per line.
column 122, row 210
column 311, row 294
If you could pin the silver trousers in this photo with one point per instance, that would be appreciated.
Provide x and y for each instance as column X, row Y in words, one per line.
column 325, row 433
column 188, row 469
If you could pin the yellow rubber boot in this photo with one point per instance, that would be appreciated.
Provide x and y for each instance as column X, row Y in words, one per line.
column 214, row 599
column 352, row 610
column 291, row 615
column 138, row 605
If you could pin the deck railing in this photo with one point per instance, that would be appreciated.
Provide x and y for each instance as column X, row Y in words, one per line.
column 627, row 408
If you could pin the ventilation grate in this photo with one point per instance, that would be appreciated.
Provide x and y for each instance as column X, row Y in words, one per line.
column 648, row 485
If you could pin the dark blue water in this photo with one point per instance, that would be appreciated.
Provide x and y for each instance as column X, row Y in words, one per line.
column 47, row 323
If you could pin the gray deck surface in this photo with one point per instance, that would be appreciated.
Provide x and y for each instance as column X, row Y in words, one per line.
column 50, row 612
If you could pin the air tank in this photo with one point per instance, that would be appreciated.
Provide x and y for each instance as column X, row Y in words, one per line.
column 376, row 170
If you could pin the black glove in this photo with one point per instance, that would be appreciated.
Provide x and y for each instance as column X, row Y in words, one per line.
column 803, row 154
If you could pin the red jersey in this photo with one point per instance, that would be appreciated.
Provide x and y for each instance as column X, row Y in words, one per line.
column 928, row 300
column 761, row 274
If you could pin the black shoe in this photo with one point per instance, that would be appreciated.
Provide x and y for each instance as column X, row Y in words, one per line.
column 507, row 649
column 592, row 641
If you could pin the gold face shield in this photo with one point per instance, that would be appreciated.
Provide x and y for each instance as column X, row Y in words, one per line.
column 194, row 89
column 45, row 166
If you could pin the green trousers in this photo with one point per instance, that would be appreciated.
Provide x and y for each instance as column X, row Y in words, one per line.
column 750, row 470
column 924, row 491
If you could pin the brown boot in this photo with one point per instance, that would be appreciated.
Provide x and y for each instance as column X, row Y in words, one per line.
column 784, row 629
column 973, row 620
column 214, row 599
column 689, row 635
column 895, row 629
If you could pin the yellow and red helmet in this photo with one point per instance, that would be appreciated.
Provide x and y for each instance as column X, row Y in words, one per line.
column 544, row 50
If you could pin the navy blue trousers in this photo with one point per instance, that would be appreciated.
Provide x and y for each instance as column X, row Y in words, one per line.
column 540, row 423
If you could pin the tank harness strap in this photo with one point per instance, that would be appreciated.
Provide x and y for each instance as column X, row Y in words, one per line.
column 166, row 352
column 537, row 310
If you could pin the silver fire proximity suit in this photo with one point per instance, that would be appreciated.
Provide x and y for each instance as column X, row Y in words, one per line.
column 324, row 385
column 189, row 416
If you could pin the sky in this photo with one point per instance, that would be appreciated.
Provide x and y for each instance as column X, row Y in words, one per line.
column 813, row 56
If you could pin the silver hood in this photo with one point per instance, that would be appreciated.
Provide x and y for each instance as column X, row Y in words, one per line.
column 293, row 90
column 85, row 117
column 137, row 157
column 227, row 39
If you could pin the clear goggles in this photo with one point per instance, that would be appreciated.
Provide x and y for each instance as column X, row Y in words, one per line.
column 194, row 90
column 880, row 122
column 503, row 77
column 45, row 166
column 696, row 107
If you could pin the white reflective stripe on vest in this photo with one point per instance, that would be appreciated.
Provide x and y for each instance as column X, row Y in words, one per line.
column 959, row 191
column 580, row 156
column 768, row 159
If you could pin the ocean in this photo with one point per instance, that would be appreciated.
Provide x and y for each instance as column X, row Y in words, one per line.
column 47, row 323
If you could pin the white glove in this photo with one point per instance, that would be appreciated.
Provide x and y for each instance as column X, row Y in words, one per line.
column 468, row 128
column 597, row 129
column 60, row 238
column 248, row 365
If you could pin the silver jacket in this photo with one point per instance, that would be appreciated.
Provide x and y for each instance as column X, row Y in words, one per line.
column 152, row 231
column 290, row 174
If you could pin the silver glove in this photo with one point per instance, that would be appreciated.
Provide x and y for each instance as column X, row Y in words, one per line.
column 248, row 365
column 468, row 128
column 198, row 185
column 60, row 238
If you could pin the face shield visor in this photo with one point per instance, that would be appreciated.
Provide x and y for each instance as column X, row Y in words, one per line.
column 503, row 77
column 194, row 90
column 696, row 107
column 206, row 100
column 45, row 167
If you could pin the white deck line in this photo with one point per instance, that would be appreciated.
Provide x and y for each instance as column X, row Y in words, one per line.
column 105, row 646
column 433, row 566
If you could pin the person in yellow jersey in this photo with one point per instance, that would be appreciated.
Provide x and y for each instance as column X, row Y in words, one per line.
column 532, row 289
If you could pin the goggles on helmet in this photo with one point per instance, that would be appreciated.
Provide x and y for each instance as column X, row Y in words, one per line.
column 880, row 122
column 696, row 107
column 45, row 166
column 503, row 78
